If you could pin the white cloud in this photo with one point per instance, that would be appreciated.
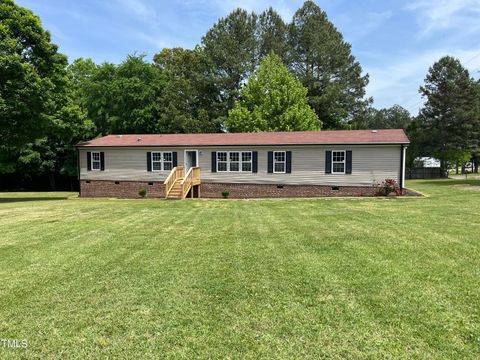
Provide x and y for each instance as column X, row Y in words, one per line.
column 157, row 41
column 138, row 8
column 371, row 22
column 398, row 82
column 436, row 15
column 285, row 8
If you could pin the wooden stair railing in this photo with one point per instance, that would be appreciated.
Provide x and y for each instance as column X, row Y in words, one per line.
column 192, row 178
column 177, row 173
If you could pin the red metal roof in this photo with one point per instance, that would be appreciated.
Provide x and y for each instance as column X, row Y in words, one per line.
column 389, row 136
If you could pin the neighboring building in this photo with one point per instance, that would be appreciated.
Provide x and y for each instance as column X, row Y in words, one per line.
column 427, row 162
column 247, row 165
column 426, row 168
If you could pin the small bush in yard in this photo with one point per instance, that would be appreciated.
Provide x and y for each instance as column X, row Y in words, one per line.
column 387, row 187
column 142, row 192
column 225, row 194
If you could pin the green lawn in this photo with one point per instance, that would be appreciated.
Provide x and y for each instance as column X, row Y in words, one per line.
column 299, row 278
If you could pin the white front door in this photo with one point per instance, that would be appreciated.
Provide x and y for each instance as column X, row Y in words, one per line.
column 191, row 159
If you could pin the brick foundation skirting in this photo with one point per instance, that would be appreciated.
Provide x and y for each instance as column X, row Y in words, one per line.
column 243, row 191
column 124, row 189
column 129, row 189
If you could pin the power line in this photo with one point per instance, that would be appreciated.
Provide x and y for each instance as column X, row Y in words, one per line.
column 409, row 108
column 471, row 59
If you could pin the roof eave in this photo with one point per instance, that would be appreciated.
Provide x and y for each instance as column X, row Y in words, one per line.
column 279, row 144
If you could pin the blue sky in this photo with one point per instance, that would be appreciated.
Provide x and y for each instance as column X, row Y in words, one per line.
column 394, row 40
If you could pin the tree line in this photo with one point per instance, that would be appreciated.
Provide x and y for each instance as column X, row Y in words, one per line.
column 251, row 72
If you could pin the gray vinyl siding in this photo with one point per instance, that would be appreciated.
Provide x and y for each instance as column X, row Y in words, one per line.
column 125, row 164
column 369, row 163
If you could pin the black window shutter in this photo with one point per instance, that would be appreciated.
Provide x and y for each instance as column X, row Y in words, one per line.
column 214, row 161
column 149, row 161
column 254, row 161
column 270, row 162
column 174, row 158
column 288, row 169
column 89, row 161
column 328, row 162
column 102, row 161
column 348, row 168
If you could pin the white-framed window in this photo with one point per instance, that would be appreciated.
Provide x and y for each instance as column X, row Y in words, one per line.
column 96, row 160
column 247, row 161
column 234, row 157
column 338, row 162
column 156, row 161
column 222, row 161
column 167, row 161
column 279, row 161
column 162, row 161
column 234, row 161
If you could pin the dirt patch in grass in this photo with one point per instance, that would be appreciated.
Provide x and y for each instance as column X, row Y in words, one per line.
column 468, row 187
column 409, row 192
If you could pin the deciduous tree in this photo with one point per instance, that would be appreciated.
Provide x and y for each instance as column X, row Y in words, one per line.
column 395, row 117
column 190, row 101
column 32, row 80
column 272, row 100
column 124, row 98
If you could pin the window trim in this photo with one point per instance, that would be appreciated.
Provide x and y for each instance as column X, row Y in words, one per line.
column 344, row 162
column 284, row 162
column 157, row 161
column 227, row 168
column 240, row 161
column 99, row 161
column 161, row 161
column 197, row 160
column 246, row 162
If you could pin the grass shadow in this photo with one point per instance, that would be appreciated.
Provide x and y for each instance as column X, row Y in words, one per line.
column 450, row 182
column 4, row 200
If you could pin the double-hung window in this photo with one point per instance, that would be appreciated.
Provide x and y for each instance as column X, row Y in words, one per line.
column 156, row 161
column 338, row 162
column 247, row 161
column 96, row 160
column 234, row 161
column 279, row 161
column 167, row 161
column 222, row 161
column 162, row 161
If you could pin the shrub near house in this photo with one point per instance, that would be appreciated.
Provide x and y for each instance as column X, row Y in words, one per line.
column 387, row 187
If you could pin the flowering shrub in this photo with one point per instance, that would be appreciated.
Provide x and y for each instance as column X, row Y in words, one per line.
column 387, row 187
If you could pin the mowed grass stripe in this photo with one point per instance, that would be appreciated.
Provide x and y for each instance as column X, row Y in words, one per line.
column 335, row 278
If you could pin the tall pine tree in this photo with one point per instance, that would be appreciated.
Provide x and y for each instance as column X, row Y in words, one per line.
column 230, row 45
column 322, row 60
column 271, row 35
column 450, row 116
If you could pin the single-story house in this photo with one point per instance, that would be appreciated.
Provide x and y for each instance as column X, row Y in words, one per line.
column 247, row 165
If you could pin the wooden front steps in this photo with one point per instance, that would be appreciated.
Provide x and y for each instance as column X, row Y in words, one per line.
column 178, row 185
column 176, row 190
